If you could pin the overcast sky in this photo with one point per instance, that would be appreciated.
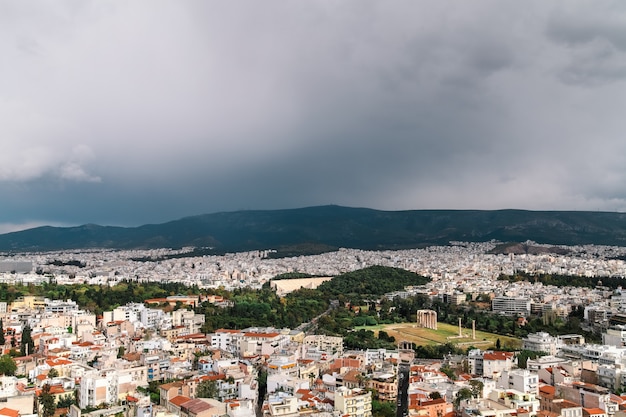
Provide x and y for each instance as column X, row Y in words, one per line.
column 127, row 113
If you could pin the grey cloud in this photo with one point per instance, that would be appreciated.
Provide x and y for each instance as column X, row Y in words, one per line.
column 595, row 63
column 596, row 40
column 126, row 113
column 594, row 20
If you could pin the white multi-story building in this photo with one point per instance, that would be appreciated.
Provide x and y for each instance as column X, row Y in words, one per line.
column 489, row 363
column 151, row 318
column 511, row 305
column 353, row 402
column 191, row 321
column 260, row 343
column 380, row 355
column 615, row 336
column 121, row 313
column 330, row 344
column 59, row 306
column 224, row 339
column 521, row 380
column 283, row 406
column 96, row 388
column 540, row 342
column 515, row 399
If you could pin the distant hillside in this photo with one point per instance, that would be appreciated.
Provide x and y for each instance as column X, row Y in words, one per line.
column 319, row 229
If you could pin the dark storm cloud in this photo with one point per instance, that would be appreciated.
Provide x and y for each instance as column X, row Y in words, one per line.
column 128, row 113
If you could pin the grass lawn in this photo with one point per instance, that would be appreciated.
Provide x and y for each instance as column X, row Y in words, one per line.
column 444, row 333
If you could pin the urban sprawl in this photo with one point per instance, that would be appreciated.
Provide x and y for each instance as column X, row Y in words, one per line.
column 105, row 365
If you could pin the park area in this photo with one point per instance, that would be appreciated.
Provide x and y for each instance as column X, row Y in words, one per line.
column 445, row 333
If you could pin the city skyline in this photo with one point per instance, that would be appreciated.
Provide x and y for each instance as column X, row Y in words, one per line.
column 129, row 114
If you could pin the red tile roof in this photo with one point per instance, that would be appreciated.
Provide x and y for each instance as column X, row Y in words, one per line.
column 497, row 356
column 179, row 400
column 196, row 406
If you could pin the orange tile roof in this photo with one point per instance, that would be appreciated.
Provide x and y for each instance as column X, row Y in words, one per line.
column 9, row 412
column 179, row 400
column 497, row 356
column 433, row 402
column 213, row 377
column 545, row 413
column 593, row 411
column 53, row 361
column 57, row 389
column 169, row 385
column 261, row 335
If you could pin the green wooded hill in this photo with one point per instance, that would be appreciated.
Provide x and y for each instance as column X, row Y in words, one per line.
column 325, row 228
column 372, row 281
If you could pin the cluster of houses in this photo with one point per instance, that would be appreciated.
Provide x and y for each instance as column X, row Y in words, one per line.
column 139, row 360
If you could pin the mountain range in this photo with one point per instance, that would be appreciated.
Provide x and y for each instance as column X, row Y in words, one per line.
column 323, row 228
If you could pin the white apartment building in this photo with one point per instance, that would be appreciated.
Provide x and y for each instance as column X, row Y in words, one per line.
column 353, row 402
column 540, row 342
column 489, row 363
column 515, row 399
column 283, row 406
column 259, row 343
column 78, row 317
column 285, row 365
column 521, row 380
column 330, row 344
column 121, row 313
column 511, row 305
column 191, row 321
column 380, row 355
column 151, row 318
column 615, row 336
column 59, row 306
column 96, row 388
column 224, row 339
column 611, row 376
column 542, row 362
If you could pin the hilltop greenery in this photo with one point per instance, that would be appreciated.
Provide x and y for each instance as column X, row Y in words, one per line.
column 373, row 281
column 265, row 308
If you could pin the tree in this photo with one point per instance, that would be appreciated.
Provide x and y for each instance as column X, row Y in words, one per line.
column 46, row 401
column 7, row 365
column 524, row 355
column 53, row 373
column 383, row 408
column 477, row 388
column 28, row 346
column 448, row 371
column 2, row 340
column 435, row 395
column 463, row 394
column 66, row 401
column 207, row 389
